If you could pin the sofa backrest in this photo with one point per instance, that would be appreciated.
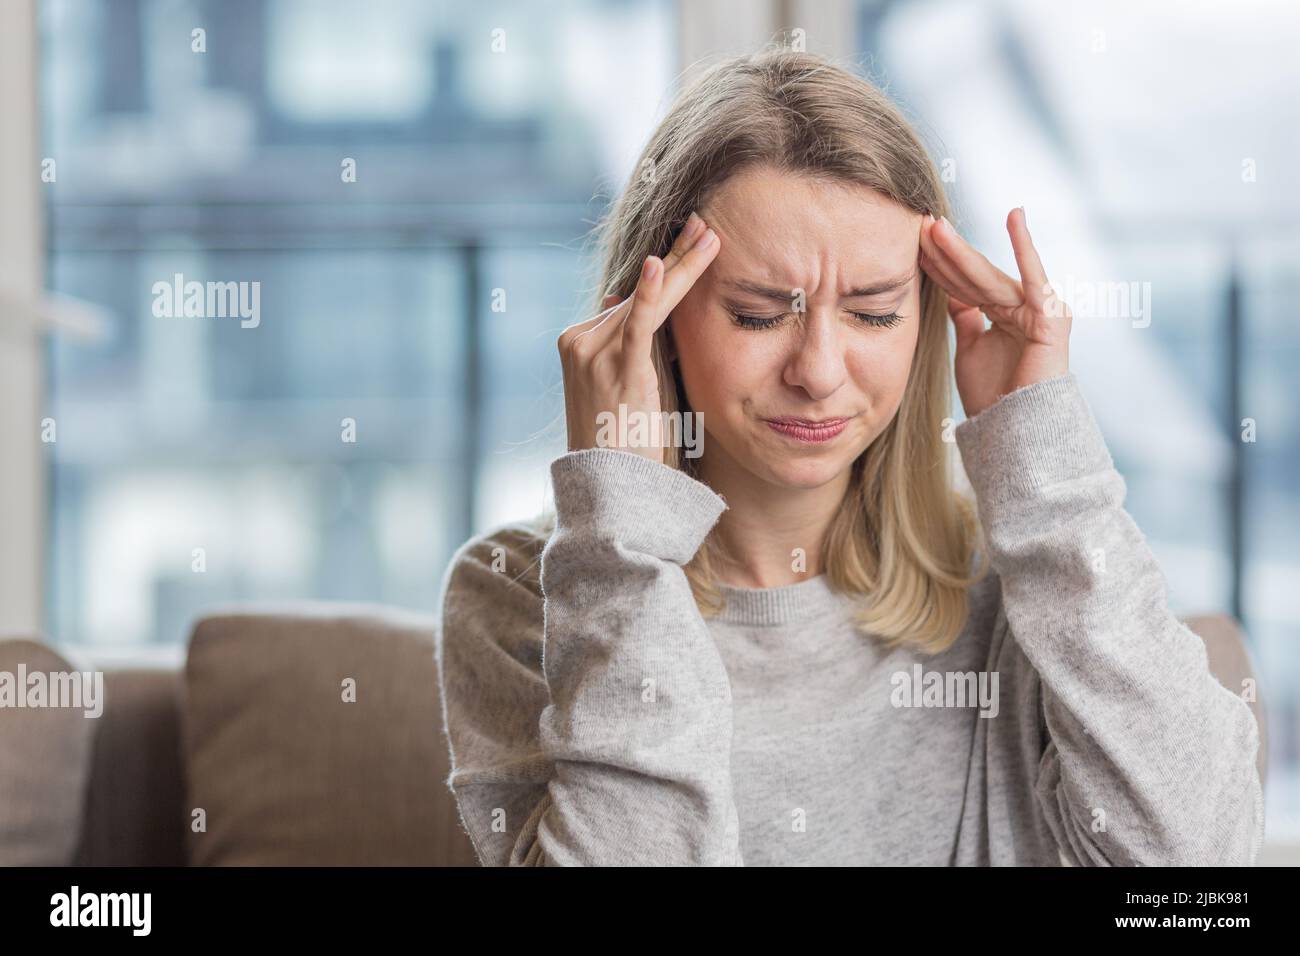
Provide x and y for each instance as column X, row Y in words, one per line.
column 45, row 753
column 258, row 733
column 134, row 806
column 313, row 736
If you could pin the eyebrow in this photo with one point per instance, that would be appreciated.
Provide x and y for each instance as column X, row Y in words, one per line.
column 783, row 295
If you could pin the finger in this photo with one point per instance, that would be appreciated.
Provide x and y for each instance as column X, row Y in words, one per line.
column 608, row 306
column 1033, row 278
column 956, row 305
column 605, row 324
column 967, row 322
column 689, row 235
column 948, row 277
column 640, row 326
column 994, row 287
column 967, row 319
column 645, row 310
column 686, row 238
column 692, row 265
column 595, row 332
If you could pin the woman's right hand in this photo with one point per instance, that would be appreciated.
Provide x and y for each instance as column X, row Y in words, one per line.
column 606, row 359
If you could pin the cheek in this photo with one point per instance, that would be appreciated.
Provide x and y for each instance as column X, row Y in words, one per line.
column 717, row 366
column 881, row 364
column 699, row 360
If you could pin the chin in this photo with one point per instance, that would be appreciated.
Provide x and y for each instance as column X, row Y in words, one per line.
column 804, row 473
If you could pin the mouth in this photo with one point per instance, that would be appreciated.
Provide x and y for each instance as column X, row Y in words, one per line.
column 808, row 431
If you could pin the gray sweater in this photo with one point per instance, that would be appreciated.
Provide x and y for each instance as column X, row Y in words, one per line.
column 594, row 717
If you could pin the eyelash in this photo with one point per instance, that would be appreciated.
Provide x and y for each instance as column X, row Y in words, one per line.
column 766, row 322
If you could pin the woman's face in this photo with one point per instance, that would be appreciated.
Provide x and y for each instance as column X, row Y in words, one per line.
column 845, row 255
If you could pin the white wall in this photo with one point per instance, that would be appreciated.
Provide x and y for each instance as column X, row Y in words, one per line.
column 22, row 498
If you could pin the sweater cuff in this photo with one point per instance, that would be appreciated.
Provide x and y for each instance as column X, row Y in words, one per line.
column 1030, row 439
column 645, row 505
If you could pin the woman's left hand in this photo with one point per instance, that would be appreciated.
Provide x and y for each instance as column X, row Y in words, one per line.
column 1029, row 340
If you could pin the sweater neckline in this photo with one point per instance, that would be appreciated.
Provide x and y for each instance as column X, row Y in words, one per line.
column 789, row 603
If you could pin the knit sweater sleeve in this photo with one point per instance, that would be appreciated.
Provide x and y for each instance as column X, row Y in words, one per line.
column 587, row 709
column 1148, row 759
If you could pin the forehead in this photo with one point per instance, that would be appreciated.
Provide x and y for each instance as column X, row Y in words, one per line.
column 790, row 228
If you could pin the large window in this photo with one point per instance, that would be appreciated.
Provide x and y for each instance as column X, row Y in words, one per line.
column 401, row 188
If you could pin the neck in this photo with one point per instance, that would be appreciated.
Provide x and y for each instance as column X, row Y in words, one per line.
column 772, row 535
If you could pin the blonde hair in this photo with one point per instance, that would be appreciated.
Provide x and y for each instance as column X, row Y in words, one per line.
column 903, row 539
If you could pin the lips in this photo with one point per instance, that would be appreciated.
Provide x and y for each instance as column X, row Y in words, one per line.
column 808, row 422
column 808, row 431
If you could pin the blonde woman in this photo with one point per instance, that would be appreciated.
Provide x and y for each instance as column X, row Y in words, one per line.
column 792, row 644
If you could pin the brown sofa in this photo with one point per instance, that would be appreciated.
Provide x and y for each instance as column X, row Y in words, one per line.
column 306, row 734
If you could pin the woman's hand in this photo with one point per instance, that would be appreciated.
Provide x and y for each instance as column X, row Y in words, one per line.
column 608, row 374
column 1029, row 340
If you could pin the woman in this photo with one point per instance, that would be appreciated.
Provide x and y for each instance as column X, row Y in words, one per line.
column 788, row 649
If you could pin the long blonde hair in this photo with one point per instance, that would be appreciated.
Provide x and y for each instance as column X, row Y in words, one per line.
column 903, row 539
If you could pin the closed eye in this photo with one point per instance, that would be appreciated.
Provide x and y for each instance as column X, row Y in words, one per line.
column 885, row 321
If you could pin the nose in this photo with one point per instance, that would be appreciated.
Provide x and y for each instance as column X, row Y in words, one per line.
column 816, row 362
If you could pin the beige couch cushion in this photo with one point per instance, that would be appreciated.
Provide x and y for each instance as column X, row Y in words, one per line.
column 44, row 763
column 289, row 772
column 135, row 792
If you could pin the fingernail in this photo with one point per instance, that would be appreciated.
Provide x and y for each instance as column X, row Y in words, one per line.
column 650, row 268
column 944, row 220
column 1025, row 216
column 707, row 240
column 692, row 227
